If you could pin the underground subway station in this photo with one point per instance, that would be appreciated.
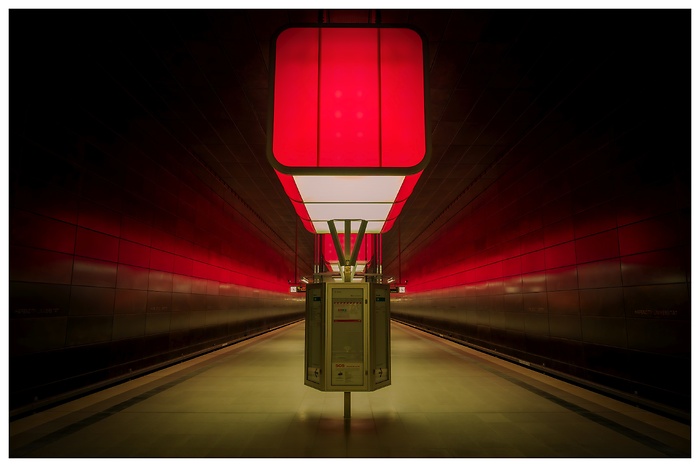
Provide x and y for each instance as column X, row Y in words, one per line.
column 383, row 233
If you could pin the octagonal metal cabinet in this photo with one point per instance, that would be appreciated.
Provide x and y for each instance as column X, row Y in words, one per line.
column 347, row 338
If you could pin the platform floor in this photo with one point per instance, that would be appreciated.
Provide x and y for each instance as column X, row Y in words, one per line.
column 249, row 401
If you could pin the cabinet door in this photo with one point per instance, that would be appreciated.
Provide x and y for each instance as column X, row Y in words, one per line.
column 347, row 330
column 380, row 344
column 315, row 332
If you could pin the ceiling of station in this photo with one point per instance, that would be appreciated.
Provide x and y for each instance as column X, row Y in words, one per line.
column 501, row 82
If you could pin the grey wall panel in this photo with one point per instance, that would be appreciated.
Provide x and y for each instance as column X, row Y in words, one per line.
column 658, row 301
column 657, row 267
column 565, row 326
column 600, row 274
column 514, row 321
column 128, row 326
column 180, row 321
column 29, row 229
column 534, row 282
column 563, row 278
column 181, row 283
column 97, row 245
column 157, row 323
column 643, row 335
column 563, row 302
column 37, row 334
column 602, row 302
column 158, row 301
column 91, row 300
column 84, row 330
column 132, row 277
column 497, row 319
column 604, row 330
column 37, row 265
column 130, row 301
column 537, row 324
column 160, row 281
column 93, row 272
column 513, row 303
column 36, row 300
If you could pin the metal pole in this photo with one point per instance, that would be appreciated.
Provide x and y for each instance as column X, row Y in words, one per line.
column 348, row 235
column 317, row 258
column 399, row 234
column 378, row 256
column 336, row 243
column 358, row 242
column 346, row 411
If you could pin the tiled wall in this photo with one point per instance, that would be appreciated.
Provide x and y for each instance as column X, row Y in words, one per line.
column 120, row 261
column 579, row 263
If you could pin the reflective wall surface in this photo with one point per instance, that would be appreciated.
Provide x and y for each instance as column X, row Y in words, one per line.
column 578, row 262
column 121, row 260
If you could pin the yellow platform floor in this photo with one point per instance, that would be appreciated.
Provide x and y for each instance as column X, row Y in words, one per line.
column 249, row 401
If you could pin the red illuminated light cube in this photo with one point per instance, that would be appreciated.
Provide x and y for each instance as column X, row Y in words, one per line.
column 347, row 134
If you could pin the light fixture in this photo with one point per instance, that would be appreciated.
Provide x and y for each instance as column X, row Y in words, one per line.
column 347, row 126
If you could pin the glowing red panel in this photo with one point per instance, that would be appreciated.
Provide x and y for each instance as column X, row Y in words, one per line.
column 402, row 87
column 296, row 97
column 348, row 97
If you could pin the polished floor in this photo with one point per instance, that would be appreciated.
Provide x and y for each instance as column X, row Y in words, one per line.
column 249, row 401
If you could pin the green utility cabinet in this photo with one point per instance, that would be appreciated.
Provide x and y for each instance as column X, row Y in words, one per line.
column 347, row 337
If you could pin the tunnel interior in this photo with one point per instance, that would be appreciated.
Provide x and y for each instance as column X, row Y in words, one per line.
column 552, row 226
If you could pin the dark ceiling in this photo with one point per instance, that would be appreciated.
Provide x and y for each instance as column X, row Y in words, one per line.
column 502, row 83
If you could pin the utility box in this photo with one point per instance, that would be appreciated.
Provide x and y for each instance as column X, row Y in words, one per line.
column 347, row 337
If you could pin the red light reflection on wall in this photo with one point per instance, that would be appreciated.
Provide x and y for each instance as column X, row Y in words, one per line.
column 247, row 262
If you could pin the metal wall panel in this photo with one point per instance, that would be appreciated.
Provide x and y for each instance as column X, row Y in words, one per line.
column 37, row 334
column 127, row 326
column 35, row 265
column 91, row 300
column 590, row 278
column 93, row 272
column 126, row 271
column 84, row 330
